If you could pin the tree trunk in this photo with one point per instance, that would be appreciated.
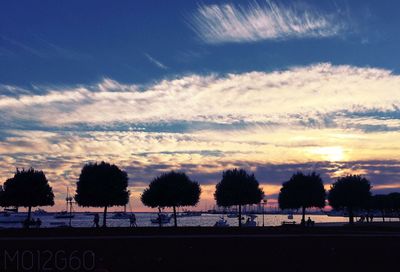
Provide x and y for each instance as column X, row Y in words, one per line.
column 105, row 217
column 159, row 217
column 351, row 215
column 303, row 217
column 240, row 215
column 175, row 222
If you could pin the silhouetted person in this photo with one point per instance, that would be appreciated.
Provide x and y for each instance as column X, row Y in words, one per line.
column 309, row 222
column 96, row 220
column 38, row 223
column 371, row 218
column 132, row 220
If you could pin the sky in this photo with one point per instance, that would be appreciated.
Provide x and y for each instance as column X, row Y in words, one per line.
column 273, row 87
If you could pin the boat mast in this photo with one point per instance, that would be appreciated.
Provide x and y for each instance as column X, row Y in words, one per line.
column 69, row 205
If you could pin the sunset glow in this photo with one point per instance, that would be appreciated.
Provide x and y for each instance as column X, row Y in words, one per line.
column 271, row 92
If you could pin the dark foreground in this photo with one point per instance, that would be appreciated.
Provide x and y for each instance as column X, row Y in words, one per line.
column 363, row 248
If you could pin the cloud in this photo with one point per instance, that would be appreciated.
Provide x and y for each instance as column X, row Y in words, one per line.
column 39, row 47
column 320, row 95
column 333, row 119
column 267, row 21
column 23, row 47
column 156, row 62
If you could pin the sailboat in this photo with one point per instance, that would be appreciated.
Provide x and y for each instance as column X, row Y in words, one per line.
column 67, row 214
column 161, row 217
column 221, row 223
column 121, row 215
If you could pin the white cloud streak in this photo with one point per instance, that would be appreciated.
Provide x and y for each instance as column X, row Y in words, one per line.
column 156, row 62
column 302, row 94
column 268, row 21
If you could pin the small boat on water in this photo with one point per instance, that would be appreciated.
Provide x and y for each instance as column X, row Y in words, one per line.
column 163, row 218
column 250, row 221
column 121, row 215
column 40, row 212
column 221, row 223
column 11, row 209
column 232, row 215
column 68, row 213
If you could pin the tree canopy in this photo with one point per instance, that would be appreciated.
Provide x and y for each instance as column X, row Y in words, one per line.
column 28, row 188
column 237, row 187
column 172, row 189
column 102, row 185
column 351, row 192
column 302, row 191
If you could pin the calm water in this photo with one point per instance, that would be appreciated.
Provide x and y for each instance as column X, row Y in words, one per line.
column 143, row 219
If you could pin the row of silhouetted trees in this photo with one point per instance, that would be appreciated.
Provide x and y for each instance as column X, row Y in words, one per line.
column 351, row 193
column 105, row 185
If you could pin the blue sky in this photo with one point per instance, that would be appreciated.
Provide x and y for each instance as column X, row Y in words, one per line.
column 76, row 42
column 201, row 86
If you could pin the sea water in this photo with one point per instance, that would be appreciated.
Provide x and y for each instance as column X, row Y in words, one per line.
column 144, row 220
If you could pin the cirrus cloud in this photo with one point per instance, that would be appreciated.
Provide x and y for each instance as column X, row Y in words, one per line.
column 267, row 21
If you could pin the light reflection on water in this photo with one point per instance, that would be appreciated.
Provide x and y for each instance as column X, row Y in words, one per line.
column 143, row 219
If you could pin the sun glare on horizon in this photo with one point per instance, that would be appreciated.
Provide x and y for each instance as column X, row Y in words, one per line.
column 330, row 153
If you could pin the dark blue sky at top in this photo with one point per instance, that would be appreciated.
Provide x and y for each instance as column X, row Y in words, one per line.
column 80, row 42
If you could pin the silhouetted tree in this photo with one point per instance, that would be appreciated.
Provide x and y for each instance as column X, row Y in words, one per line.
column 102, row 185
column 28, row 188
column 351, row 192
column 237, row 187
column 381, row 203
column 172, row 189
column 394, row 203
column 302, row 191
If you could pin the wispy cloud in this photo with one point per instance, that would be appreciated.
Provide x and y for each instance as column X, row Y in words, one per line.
column 156, row 62
column 262, row 21
column 23, row 46
column 39, row 47
column 296, row 96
